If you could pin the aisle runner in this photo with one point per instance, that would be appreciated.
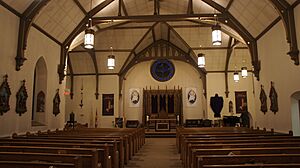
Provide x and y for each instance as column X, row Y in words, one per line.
column 157, row 153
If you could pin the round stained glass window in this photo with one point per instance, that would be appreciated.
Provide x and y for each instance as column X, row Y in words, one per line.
column 162, row 70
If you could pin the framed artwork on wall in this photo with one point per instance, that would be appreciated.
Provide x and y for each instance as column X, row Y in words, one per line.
column 191, row 96
column 134, row 97
column 108, row 104
column 241, row 102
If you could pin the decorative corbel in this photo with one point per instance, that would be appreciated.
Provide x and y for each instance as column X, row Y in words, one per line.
column 26, row 20
column 286, row 12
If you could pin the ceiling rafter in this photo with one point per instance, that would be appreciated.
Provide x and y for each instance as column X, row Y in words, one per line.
column 229, row 5
column 232, row 22
column 101, row 50
column 12, row 10
column 268, row 28
column 70, row 67
column 26, row 19
column 92, row 54
column 82, row 9
column 286, row 12
column 229, row 51
column 155, row 18
column 125, row 68
column 78, row 29
column 124, row 8
column 190, row 9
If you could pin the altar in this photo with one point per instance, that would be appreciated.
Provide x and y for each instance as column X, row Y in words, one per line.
column 161, row 124
column 162, row 109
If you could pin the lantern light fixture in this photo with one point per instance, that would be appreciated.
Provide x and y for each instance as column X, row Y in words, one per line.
column 111, row 60
column 201, row 60
column 236, row 77
column 244, row 72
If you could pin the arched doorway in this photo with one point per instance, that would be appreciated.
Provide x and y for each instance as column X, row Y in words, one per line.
column 295, row 113
column 39, row 92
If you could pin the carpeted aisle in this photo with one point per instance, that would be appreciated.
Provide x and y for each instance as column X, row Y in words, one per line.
column 157, row 153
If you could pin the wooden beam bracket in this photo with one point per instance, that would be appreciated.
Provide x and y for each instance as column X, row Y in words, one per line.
column 26, row 19
column 286, row 12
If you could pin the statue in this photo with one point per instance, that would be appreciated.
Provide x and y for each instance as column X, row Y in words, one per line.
column 245, row 119
column 56, row 102
column 263, row 100
column 21, row 99
column 4, row 96
column 216, row 104
column 230, row 107
column 273, row 98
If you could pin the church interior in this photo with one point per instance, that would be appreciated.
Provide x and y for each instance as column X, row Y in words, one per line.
column 140, row 77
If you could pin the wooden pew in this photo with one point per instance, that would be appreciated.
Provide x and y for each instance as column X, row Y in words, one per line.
column 109, row 146
column 191, row 147
column 242, row 151
column 259, row 165
column 77, row 160
column 204, row 160
column 24, row 164
column 100, row 160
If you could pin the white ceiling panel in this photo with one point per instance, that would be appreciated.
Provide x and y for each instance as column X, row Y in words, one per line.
column 223, row 3
column 118, row 38
column 82, row 63
column 139, row 7
column 239, row 59
column 173, row 7
column 253, row 16
column 120, row 58
column 202, row 7
column 59, row 18
column 145, row 43
column 215, row 60
column 196, row 37
column 291, row 1
column 88, row 4
column 18, row 5
column 109, row 10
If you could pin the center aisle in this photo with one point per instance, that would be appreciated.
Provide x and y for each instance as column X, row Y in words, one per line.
column 157, row 153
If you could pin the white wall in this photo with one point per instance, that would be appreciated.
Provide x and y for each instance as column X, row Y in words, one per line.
column 38, row 45
column 279, row 68
column 108, row 84
column 185, row 77
column 216, row 84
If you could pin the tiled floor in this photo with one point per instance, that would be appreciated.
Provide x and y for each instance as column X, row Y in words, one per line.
column 157, row 153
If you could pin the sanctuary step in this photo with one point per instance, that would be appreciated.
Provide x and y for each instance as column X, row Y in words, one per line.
column 160, row 134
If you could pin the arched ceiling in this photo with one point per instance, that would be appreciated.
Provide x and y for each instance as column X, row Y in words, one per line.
column 127, row 26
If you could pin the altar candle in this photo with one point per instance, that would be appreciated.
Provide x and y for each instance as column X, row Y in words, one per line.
column 177, row 117
column 147, row 118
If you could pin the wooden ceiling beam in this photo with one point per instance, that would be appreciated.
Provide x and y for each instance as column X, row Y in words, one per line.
column 229, row 5
column 232, row 22
column 26, row 20
column 70, row 67
column 190, row 9
column 154, row 18
column 286, row 12
column 78, row 29
column 101, row 50
column 94, row 59
column 124, row 8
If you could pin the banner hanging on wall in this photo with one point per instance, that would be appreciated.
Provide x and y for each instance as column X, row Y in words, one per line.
column 107, row 104
column 134, row 97
column 191, row 96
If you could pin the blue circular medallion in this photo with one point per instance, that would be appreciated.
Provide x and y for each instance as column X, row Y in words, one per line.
column 162, row 70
